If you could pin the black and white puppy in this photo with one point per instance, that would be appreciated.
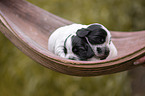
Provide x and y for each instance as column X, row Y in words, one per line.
column 82, row 42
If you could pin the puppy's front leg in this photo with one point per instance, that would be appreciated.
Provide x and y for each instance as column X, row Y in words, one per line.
column 59, row 50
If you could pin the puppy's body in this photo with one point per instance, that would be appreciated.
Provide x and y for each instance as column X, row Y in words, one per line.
column 57, row 39
column 73, row 42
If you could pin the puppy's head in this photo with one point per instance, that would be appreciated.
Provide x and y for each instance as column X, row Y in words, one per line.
column 99, row 39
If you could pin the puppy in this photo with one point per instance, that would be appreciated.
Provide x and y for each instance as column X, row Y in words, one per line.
column 82, row 42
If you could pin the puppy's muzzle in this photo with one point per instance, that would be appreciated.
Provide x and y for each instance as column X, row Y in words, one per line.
column 102, row 52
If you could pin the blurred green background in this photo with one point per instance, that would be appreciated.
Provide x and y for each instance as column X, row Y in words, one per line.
column 21, row 76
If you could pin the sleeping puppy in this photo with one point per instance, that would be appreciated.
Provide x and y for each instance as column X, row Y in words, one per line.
column 82, row 42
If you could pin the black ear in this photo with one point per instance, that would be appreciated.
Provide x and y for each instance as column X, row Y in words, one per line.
column 94, row 27
column 90, row 52
column 82, row 32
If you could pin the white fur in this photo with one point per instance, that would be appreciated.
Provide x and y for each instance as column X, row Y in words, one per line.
column 58, row 37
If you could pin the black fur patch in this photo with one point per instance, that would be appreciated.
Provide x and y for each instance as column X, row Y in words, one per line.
column 81, row 48
column 82, row 32
column 95, row 34
column 64, row 49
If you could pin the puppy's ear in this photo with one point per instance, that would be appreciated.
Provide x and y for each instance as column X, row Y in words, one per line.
column 90, row 53
column 94, row 27
column 82, row 32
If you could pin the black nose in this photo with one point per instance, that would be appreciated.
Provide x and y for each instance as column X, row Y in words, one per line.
column 99, row 50
column 105, row 55
column 103, row 52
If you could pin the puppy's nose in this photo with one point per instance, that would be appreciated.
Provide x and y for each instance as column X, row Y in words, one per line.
column 103, row 52
column 99, row 50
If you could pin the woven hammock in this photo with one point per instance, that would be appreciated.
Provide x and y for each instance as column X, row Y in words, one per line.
column 28, row 27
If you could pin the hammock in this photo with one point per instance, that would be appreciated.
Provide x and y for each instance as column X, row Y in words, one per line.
column 29, row 27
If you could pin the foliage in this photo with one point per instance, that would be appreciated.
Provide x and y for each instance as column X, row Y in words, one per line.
column 21, row 76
